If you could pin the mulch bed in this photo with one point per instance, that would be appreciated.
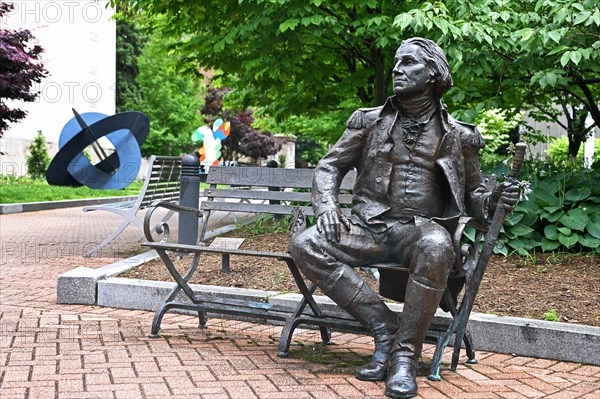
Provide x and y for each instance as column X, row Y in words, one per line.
column 512, row 286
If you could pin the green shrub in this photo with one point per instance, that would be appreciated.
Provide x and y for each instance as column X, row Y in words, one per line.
column 495, row 126
column 562, row 213
column 558, row 150
column 38, row 159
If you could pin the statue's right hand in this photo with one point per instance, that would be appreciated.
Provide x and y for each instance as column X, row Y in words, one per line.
column 329, row 222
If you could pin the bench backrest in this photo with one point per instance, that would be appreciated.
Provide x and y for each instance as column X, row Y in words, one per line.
column 246, row 189
column 162, row 180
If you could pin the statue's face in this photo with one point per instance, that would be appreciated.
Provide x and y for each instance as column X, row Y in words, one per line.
column 411, row 75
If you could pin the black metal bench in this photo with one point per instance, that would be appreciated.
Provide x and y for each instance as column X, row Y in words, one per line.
column 294, row 198
column 161, row 184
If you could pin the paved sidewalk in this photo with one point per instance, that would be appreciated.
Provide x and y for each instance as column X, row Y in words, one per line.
column 66, row 351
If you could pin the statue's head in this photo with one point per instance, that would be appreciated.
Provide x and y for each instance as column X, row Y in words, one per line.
column 420, row 63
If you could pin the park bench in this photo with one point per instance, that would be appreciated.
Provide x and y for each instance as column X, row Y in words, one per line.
column 160, row 185
column 293, row 198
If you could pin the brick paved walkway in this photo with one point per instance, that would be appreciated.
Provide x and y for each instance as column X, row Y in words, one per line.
column 65, row 351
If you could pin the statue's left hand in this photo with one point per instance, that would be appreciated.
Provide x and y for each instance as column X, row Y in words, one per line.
column 505, row 195
column 330, row 223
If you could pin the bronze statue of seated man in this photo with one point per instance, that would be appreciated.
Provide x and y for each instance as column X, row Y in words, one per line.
column 417, row 172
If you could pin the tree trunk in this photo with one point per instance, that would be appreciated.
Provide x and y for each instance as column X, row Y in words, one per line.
column 378, row 61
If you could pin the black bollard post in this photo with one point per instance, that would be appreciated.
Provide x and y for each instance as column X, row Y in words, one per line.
column 190, row 197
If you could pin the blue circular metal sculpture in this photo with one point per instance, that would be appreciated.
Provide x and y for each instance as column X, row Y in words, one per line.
column 126, row 131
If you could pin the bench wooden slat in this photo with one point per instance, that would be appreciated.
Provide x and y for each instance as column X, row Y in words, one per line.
column 263, row 195
column 258, row 208
column 199, row 248
column 268, row 177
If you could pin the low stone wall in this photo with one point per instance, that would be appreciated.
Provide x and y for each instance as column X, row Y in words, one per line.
column 523, row 337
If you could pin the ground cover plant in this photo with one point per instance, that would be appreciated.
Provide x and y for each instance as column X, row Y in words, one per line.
column 562, row 212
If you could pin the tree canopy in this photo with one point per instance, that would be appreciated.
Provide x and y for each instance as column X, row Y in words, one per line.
column 20, row 68
column 130, row 44
column 298, row 57
column 172, row 101
column 541, row 56
column 311, row 62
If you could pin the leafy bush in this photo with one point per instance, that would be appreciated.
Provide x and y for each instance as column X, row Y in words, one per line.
column 558, row 150
column 495, row 126
column 38, row 158
column 562, row 214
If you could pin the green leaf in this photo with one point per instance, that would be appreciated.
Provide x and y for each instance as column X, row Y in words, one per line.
column 564, row 231
column 596, row 17
column 565, row 58
column 513, row 218
column 589, row 241
column 469, row 232
column 520, row 230
column 581, row 17
column 501, row 249
column 545, row 194
column 593, row 226
column 555, row 35
column 575, row 219
column 568, row 240
column 525, row 34
column 557, row 50
column 553, row 217
column 578, row 194
column 551, row 232
column 576, row 56
column 549, row 245
column 290, row 24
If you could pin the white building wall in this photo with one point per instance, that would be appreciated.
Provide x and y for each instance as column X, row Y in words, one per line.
column 79, row 39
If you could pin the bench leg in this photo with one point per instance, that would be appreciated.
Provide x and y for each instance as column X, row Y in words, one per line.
column 181, row 284
column 285, row 338
column 293, row 322
column 158, row 316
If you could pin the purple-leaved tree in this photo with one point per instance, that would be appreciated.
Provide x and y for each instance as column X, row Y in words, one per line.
column 243, row 138
column 20, row 68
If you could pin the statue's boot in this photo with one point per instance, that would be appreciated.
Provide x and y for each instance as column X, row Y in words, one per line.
column 353, row 295
column 421, row 302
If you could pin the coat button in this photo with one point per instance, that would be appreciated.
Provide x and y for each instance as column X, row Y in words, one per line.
column 378, row 153
column 382, row 126
column 378, row 179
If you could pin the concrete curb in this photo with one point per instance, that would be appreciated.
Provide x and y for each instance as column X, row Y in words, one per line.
column 519, row 336
column 523, row 337
column 44, row 206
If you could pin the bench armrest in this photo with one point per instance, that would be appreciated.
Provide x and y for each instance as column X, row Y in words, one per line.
column 162, row 227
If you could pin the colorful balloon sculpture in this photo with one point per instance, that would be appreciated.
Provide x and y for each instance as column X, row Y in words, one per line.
column 210, row 153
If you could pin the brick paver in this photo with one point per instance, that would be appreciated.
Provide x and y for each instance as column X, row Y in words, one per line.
column 70, row 351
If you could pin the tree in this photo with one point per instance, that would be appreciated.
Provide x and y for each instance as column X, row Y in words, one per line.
column 130, row 43
column 540, row 56
column 38, row 159
column 299, row 57
column 243, row 138
column 170, row 99
column 306, row 58
column 20, row 68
